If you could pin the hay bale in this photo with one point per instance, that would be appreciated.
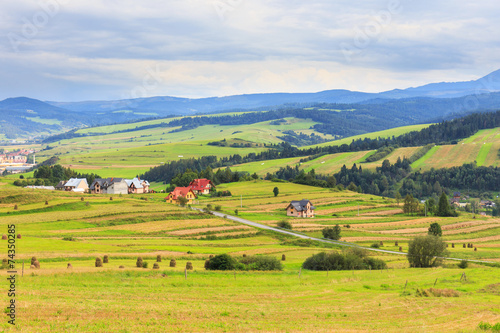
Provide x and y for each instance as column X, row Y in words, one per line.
column 381, row 243
column 46, row 202
column 173, row 263
column 33, row 259
column 400, row 249
column 207, row 264
column 5, row 263
column 475, row 249
column 36, row 264
column 82, row 199
column 464, row 245
column 156, row 266
column 158, row 258
column 98, row 262
column 396, row 243
column 244, row 255
column 283, row 257
column 106, row 259
column 121, row 266
column 139, row 262
column 453, row 245
column 4, row 237
column 15, row 207
column 111, row 198
column 189, row 266
column 19, row 236
column 69, row 265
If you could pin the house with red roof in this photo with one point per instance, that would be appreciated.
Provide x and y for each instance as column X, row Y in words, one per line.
column 186, row 192
column 201, row 186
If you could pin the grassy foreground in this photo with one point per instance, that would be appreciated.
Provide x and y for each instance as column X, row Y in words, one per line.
column 59, row 228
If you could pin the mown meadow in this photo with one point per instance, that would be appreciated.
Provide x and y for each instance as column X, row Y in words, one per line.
column 60, row 228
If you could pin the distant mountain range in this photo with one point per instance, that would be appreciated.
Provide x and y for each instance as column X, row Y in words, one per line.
column 24, row 117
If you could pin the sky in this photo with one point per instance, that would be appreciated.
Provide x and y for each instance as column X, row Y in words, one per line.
column 69, row 50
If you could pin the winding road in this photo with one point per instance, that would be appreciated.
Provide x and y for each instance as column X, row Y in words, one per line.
column 323, row 240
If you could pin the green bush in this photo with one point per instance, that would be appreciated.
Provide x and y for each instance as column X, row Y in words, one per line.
column 354, row 258
column 463, row 264
column 222, row 262
column 262, row 263
column 375, row 245
column 284, row 225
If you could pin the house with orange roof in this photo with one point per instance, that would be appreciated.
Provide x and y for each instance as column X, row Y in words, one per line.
column 201, row 186
column 186, row 192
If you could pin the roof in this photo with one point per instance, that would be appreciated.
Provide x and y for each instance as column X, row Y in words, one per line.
column 180, row 191
column 61, row 184
column 75, row 182
column 200, row 184
column 301, row 205
column 456, row 194
column 105, row 182
column 137, row 182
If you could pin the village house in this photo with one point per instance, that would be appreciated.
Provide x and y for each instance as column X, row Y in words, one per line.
column 76, row 185
column 109, row 186
column 201, row 186
column 60, row 185
column 186, row 192
column 302, row 208
column 137, row 185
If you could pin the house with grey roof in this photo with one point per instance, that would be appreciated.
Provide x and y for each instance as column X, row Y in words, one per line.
column 302, row 208
column 76, row 185
column 137, row 185
column 109, row 186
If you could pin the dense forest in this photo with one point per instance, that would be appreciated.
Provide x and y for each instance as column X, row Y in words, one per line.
column 447, row 131
column 47, row 175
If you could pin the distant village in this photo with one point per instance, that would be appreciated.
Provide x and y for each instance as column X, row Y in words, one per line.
column 101, row 186
column 15, row 161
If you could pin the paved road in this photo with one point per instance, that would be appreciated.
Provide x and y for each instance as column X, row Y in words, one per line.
column 287, row 232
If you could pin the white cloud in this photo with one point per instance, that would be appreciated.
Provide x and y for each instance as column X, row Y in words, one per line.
column 101, row 49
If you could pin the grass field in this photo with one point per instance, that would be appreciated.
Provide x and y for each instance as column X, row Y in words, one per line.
column 85, row 298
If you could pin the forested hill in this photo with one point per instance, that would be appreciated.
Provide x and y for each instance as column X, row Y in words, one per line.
column 444, row 132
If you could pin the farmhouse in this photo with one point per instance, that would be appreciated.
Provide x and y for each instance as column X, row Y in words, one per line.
column 137, row 185
column 60, row 185
column 76, row 185
column 302, row 208
column 201, row 186
column 186, row 192
column 109, row 186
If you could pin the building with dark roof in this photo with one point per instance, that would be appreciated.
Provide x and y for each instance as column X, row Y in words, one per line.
column 302, row 208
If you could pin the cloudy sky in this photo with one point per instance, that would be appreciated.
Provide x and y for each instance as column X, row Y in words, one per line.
column 69, row 50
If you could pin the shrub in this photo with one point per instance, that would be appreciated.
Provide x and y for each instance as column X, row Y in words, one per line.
column 69, row 238
column 218, row 208
column 98, row 262
column 222, row 262
column 105, row 259
column 235, row 212
column 354, row 258
column 139, row 262
column 423, row 251
column 332, row 233
column 145, row 264
column 158, row 258
column 260, row 263
column 156, row 266
column 189, row 266
column 284, row 225
column 173, row 263
column 435, row 229
column 463, row 264
column 375, row 245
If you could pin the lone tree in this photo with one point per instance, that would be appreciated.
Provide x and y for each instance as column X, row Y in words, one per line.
column 398, row 197
column 182, row 200
column 276, row 191
column 444, row 206
column 332, row 233
column 423, row 251
column 435, row 229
